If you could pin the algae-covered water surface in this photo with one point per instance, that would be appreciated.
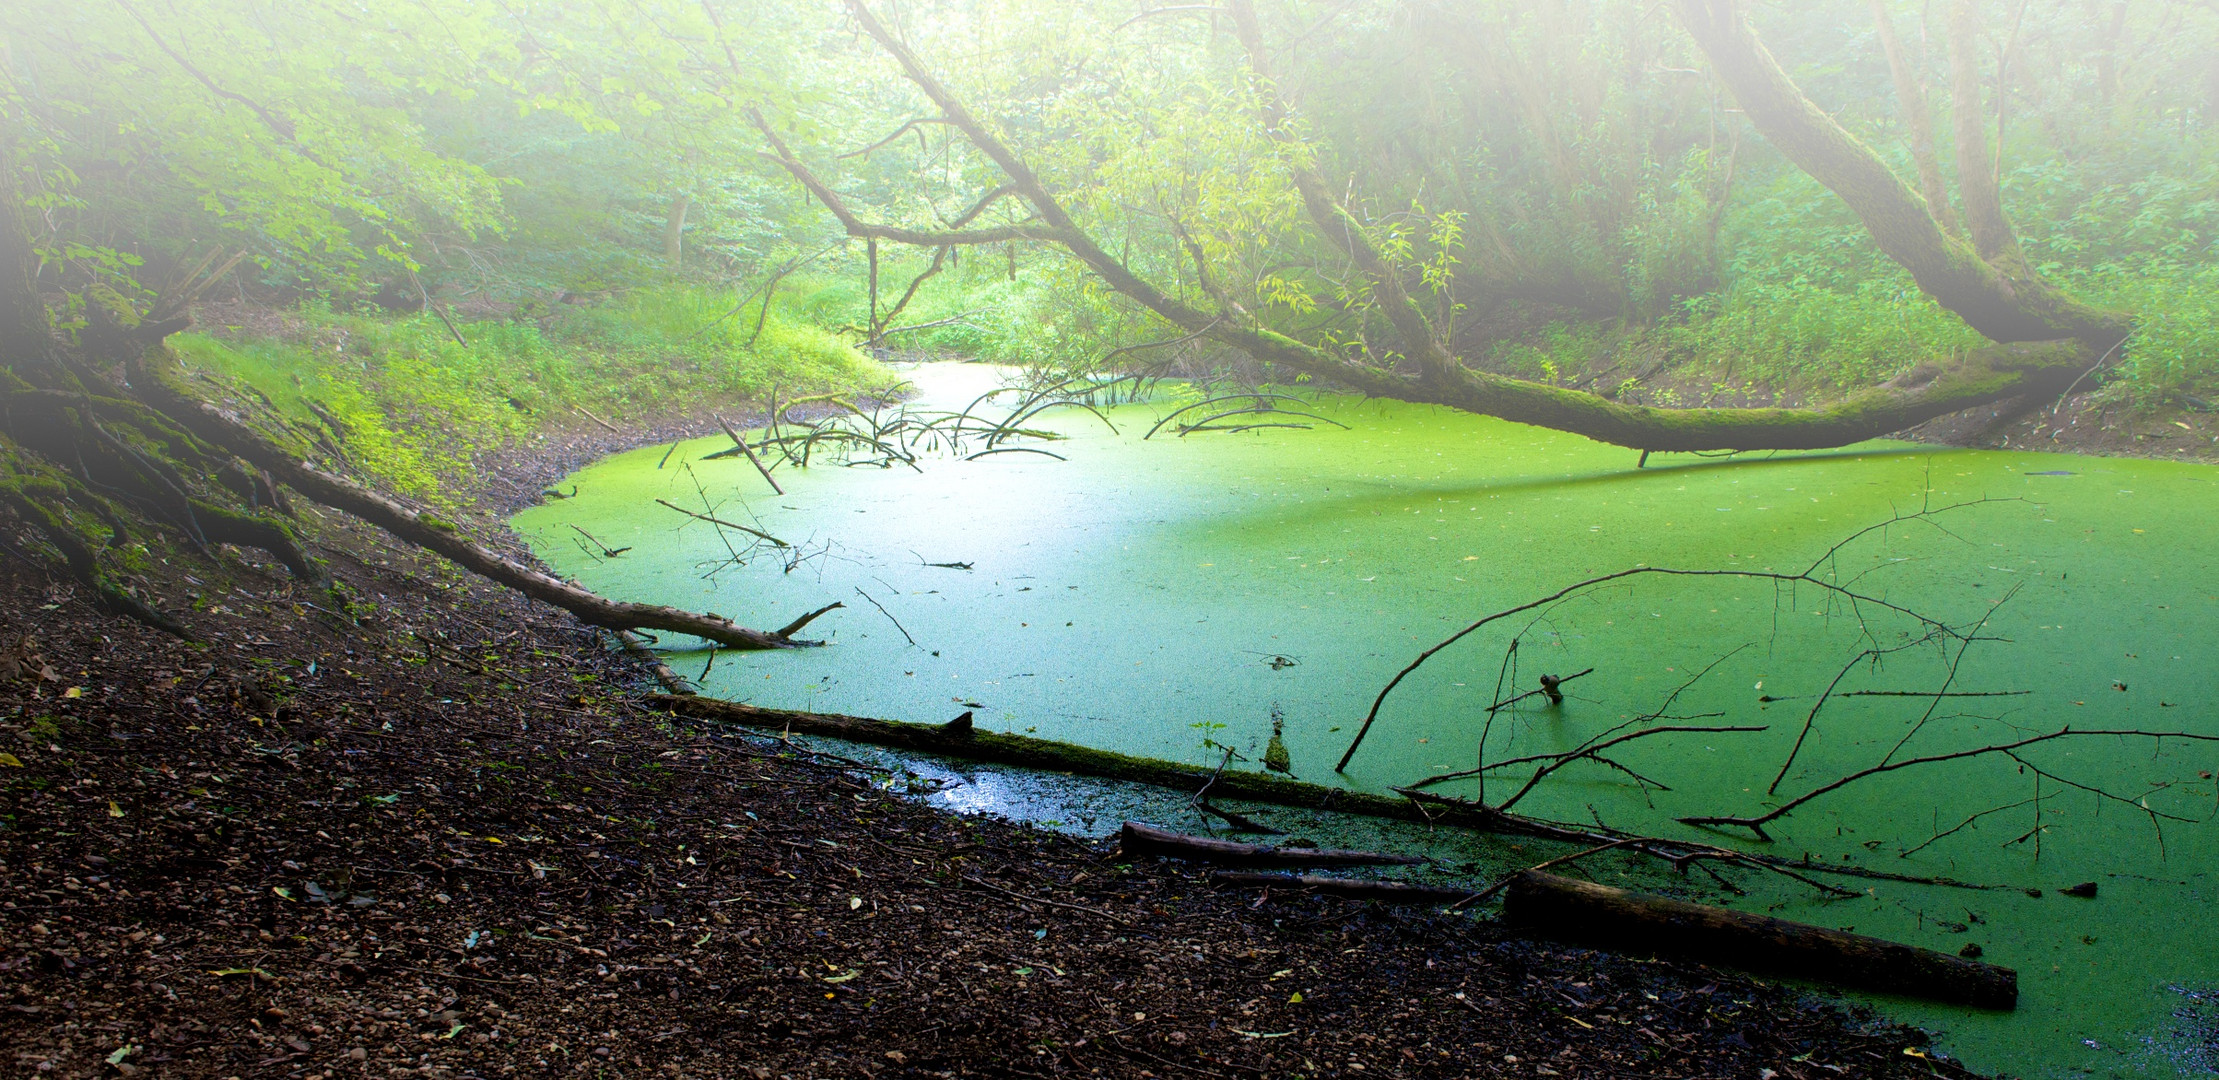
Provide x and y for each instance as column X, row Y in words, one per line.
column 1171, row 596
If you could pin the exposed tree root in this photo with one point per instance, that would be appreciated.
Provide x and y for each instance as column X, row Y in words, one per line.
column 73, row 434
column 30, row 497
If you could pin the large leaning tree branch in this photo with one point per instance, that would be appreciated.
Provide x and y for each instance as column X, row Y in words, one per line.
column 1419, row 339
column 2044, row 340
column 2000, row 296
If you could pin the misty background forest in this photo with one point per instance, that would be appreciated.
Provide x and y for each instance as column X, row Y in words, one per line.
column 667, row 483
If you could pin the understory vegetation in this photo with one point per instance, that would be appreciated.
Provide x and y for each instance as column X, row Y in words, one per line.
column 1571, row 192
column 411, row 406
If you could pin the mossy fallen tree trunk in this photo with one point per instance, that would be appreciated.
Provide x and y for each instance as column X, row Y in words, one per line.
column 1981, row 376
column 157, row 377
column 2045, row 340
column 1584, row 911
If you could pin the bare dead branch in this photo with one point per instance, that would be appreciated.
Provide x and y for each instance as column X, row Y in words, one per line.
column 949, row 321
column 1808, row 575
column 794, row 627
column 1756, row 822
column 906, row 127
column 889, row 617
column 880, row 322
column 741, row 444
column 1810, row 719
column 1961, row 826
column 721, row 523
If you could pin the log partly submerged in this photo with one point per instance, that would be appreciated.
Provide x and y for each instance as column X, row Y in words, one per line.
column 1386, row 892
column 1140, row 840
column 1584, row 911
column 960, row 739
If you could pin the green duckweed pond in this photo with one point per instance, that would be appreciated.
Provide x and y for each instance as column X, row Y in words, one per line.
column 1175, row 596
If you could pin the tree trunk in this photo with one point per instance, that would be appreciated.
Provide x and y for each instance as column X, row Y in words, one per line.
column 25, row 332
column 1580, row 910
column 963, row 741
column 2107, row 60
column 2006, row 302
column 1918, row 121
column 1386, row 892
column 1977, row 182
column 674, row 230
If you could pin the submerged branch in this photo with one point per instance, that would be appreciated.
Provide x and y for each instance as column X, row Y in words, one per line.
column 1755, row 823
column 721, row 523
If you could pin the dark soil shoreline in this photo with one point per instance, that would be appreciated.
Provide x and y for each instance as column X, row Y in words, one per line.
column 442, row 836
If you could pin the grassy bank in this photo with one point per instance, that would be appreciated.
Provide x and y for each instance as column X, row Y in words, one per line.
column 414, row 408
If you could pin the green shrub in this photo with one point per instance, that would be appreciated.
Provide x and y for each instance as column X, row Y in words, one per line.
column 2174, row 351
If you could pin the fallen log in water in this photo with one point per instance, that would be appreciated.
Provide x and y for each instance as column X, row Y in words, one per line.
column 1138, row 840
column 637, row 646
column 1562, row 907
column 962, row 740
column 1386, row 892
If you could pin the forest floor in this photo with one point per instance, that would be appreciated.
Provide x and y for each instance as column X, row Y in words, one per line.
column 437, row 833
column 2082, row 422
